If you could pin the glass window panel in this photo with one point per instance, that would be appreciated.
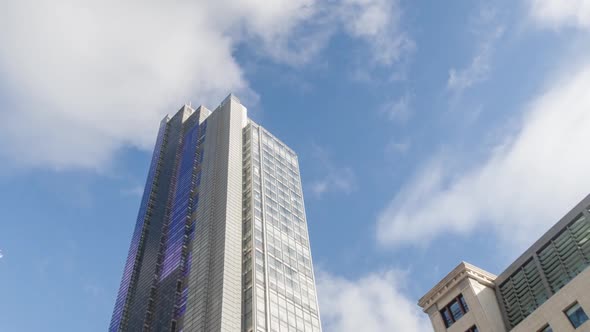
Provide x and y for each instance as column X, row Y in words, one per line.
column 456, row 310
column 446, row 317
column 576, row 315
column 462, row 299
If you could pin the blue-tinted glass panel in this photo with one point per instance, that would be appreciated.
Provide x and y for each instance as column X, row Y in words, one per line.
column 446, row 315
column 456, row 310
column 453, row 311
column 134, row 247
column 463, row 303
column 576, row 315
column 181, row 208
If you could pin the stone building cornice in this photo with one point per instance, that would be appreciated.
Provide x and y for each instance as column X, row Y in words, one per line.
column 462, row 271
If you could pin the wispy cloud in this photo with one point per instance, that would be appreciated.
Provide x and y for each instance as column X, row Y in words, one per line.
column 1, row 254
column 488, row 32
column 398, row 110
column 132, row 191
column 559, row 13
column 335, row 179
column 399, row 147
column 109, row 71
column 373, row 303
column 379, row 23
column 525, row 185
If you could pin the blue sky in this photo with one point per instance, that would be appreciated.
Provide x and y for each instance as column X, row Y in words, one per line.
column 427, row 133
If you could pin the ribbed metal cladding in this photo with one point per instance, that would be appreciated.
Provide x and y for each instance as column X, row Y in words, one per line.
column 523, row 292
column 214, row 296
column 551, row 263
column 567, row 254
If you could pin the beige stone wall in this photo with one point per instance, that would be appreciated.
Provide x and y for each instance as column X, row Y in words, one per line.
column 488, row 314
column 551, row 311
column 483, row 308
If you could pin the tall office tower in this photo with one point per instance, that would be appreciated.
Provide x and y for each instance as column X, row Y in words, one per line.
column 220, row 242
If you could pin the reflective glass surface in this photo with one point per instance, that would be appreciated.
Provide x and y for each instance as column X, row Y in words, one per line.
column 576, row 315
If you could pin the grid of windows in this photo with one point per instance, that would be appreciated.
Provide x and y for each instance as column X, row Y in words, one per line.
column 453, row 311
column 247, row 259
column 279, row 240
column 523, row 292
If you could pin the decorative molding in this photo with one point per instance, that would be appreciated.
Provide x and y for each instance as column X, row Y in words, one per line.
column 462, row 271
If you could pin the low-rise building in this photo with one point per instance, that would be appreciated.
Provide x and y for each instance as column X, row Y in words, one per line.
column 546, row 289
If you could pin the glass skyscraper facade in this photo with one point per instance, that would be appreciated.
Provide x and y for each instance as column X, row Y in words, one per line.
column 279, row 289
column 220, row 242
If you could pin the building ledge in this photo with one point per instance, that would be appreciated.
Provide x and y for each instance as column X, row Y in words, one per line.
column 462, row 271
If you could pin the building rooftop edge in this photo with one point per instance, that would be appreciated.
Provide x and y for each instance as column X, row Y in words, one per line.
column 230, row 96
column 189, row 106
column 544, row 239
column 462, row 271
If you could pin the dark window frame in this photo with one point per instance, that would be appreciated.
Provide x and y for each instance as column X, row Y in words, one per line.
column 460, row 300
column 546, row 328
column 579, row 308
column 473, row 329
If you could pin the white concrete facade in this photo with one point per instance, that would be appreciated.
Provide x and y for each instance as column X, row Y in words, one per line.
column 214, row 300
column 477, row 287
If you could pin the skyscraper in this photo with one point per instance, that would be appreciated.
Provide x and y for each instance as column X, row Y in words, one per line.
column 220, row 242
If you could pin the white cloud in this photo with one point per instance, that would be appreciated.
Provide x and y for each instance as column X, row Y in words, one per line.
column 524, row 186
column 398, row 110
column 86, row 78
column 378, row 22
column 335, row 179
column 1, row 254
column 558, row 13
column 488, row 33
column 374, row 303
column 90, row 77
